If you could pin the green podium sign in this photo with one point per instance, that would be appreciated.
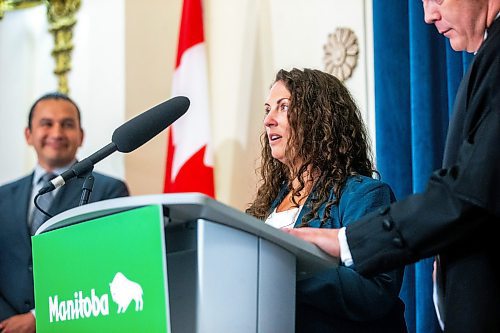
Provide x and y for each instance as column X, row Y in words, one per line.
column 102, row 267
column 103, row 275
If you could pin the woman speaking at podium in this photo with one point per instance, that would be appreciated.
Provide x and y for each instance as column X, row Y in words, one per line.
column 317, row 172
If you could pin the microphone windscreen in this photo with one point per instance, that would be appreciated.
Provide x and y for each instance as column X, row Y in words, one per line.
column 142, row 128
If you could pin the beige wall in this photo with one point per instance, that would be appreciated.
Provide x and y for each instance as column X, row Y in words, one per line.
column 247, row 42
column 123, row 63
column 150, row 51
column 235, row 89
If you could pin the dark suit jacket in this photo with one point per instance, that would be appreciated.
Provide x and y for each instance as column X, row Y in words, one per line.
column 16, row 276
column 341, row 300
column 458, row 213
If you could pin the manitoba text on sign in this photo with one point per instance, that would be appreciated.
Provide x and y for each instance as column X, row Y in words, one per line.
column 103, row 275
column 122, row 290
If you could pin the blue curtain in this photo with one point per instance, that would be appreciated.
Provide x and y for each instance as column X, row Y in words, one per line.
column 416, row 78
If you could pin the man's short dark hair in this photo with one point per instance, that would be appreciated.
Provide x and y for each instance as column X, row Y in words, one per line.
column 53, row 95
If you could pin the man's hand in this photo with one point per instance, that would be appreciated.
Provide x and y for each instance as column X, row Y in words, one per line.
column 326, row 239
column 23, row 323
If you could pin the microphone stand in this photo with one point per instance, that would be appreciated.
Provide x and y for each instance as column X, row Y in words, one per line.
column 87, row 187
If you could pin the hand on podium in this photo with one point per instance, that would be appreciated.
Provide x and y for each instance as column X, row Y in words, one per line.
column 326, row 239
column 23, row 323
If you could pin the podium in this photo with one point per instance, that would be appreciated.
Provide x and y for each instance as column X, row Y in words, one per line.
column 167, row 263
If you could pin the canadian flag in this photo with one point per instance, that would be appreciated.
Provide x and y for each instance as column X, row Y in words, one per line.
column 189, row 156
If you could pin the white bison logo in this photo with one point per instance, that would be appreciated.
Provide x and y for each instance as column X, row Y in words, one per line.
column 123, row 291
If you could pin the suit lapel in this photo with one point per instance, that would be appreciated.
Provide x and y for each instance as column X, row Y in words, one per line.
column 20, row 215
column 25, row 188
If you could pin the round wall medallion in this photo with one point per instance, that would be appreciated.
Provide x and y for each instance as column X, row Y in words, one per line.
column 341, row 53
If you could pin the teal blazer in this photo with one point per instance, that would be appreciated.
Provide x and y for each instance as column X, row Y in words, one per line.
column 342, row 300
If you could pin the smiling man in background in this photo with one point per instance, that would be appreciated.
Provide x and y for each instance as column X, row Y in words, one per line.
column 55, row 132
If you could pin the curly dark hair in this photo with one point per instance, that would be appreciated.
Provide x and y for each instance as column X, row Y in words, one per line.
column 328, row 138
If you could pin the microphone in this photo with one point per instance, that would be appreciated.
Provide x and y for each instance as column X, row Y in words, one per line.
column 126, row 138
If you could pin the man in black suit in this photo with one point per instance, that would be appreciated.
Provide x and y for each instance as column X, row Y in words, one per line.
column 55, row 132
column 455, row 217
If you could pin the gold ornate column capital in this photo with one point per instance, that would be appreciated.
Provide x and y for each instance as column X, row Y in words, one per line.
column 62, row 18
column 61, row 15
column 8, row 5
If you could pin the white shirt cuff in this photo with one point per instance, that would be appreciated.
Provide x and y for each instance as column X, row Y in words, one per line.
column 345, row 253
column 33, row 312
column 437, row 305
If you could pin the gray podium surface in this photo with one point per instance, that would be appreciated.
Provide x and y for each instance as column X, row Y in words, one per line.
column 227, row 271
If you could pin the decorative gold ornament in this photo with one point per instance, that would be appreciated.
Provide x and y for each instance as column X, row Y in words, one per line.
column 341, row 53
column 62, row 19
column 61, row 15
column 7, row 5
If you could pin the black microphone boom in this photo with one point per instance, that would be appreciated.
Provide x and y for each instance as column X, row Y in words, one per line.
column 79, row 169
column 126, row 138
column 139, row 130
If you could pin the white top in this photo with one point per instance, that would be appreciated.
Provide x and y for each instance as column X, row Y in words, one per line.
column 345, row 252
column 284, row 219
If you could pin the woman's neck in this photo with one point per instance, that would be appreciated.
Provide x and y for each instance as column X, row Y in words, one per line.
column 290, row 201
